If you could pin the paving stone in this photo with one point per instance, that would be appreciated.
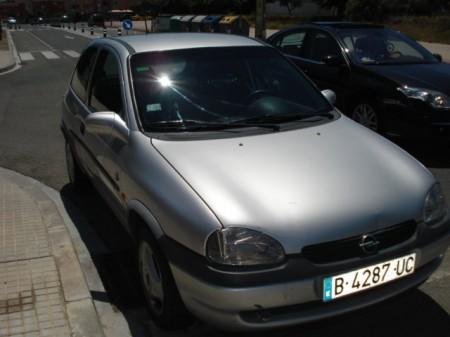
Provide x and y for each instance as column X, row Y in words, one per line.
column 23, row 233
column 27, row 306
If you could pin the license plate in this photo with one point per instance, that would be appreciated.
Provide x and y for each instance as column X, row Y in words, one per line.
column 368, row 277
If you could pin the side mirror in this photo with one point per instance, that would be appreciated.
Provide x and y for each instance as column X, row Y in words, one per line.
column 333, row 60
column 330, row 96
column 108, row 124
column 438, row 57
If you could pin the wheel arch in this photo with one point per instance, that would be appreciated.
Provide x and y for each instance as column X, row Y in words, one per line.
column 139, row 216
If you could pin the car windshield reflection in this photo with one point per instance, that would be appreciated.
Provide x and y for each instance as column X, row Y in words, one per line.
column 220, row 85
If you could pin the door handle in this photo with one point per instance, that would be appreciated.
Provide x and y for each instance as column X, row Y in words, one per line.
column 82, row 128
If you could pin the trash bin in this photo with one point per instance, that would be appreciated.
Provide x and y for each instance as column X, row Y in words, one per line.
column 211, row 23
column 162, row 23
column 186, row 23
column 175, row 23
column 234, row 25
column 197, row 23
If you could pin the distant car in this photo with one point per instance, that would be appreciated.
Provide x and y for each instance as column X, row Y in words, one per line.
column 96, row 19
column 253, row 202
column 11, row 21
column 382, row 79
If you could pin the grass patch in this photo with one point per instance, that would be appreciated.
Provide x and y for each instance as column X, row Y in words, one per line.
column 427, row 29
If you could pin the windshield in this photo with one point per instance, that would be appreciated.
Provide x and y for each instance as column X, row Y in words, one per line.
column 220, row 85
column 383, row 46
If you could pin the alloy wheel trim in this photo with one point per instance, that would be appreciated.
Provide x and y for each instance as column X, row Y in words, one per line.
column 365, row 115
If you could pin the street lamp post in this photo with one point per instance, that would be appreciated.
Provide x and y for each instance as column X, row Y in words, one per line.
column 260, row 29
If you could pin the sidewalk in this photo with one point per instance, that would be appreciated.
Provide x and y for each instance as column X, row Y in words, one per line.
column 43, row 291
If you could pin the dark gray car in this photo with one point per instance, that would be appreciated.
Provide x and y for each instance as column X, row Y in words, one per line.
column 254, row 203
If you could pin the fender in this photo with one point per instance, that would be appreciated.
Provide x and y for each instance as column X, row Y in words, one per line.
column 150, row 221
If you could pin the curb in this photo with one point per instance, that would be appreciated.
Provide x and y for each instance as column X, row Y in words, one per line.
column 81, row 311
column 15, row 62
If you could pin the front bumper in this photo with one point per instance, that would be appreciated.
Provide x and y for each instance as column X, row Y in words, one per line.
column 279, row 304
column 416, row 120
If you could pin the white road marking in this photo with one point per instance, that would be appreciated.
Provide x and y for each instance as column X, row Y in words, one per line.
column 71, row 53
column 69, row 37
column 49, row 55
column 26, row 57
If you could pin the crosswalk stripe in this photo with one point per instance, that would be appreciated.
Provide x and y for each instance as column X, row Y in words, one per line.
column 71, row 53
column 26, row 57
column 49, row 55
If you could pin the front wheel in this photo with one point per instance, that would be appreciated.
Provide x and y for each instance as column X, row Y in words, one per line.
column 366, row 114
column 160, row 291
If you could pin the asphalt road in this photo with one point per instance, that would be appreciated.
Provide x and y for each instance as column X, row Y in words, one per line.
column 31, row 143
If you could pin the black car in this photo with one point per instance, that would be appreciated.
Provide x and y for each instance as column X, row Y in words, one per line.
column 382, row 79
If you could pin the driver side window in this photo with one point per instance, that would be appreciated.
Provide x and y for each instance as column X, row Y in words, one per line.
column 106, row 92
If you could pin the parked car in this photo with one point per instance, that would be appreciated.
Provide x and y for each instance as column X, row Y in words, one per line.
column 382, row 79
column 11, row 22
column 96, row 19
column 253, row 202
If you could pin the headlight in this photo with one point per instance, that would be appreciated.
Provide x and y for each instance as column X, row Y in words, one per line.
column 436, row 99
column 435, row 206
column 237, row 246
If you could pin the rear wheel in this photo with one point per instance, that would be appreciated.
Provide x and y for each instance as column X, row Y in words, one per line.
column 161, row 294
column 365, row 113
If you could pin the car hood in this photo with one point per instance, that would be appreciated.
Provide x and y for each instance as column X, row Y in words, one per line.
column 434, row 76
column 304, row 186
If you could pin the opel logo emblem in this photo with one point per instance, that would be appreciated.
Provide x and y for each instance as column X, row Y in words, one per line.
column 369, row 244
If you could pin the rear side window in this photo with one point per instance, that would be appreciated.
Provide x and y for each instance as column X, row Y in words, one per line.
column 292, row 44
column 80, row 77
column 106, row 94
column 321, row 45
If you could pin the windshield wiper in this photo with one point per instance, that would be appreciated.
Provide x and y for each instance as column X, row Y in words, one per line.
column 199, row 125
column 289, row 117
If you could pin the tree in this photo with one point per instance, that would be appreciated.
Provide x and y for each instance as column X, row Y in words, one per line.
column 291, row 5
column 368, row 10
column 339, row 5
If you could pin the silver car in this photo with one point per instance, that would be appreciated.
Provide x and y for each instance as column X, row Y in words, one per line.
column 254, row 203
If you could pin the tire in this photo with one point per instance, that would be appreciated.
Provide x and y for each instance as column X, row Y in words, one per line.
column 366, row 113
column 76, row 176
column 161, row 294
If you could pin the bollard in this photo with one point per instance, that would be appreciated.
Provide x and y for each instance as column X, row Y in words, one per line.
column 104, row 32
column 82, row 29
column 119, row 32
column 74, row 26
column 92, row 30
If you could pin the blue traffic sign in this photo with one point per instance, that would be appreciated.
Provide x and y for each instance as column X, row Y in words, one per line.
column 127, row 24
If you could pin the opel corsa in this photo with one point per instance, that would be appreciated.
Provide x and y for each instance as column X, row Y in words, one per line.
column 253, row 202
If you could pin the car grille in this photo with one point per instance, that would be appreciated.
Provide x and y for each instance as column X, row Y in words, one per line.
column 349, row 248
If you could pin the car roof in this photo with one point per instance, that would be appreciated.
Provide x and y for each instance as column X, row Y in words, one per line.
column 173, row 41
column 346, row 25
